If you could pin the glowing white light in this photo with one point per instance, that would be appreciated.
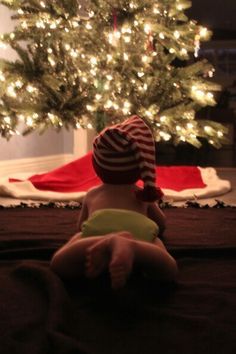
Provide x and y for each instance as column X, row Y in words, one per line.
column 42, row 4
column 117, row 34
column 3, row 45
column 109, row 77
column 156, row 10
column 163, row 119
column 98, row 96
column 29, row 121
column 89, row 126
column 209, row 95
column 125, row 56
column 40, row 24
column 89, row 107
column 183, row 51
column 127, row 104
column 108, row 104
column 51, row 61
column 171, row 50
column 49, row 50
column 7, row 120
column 2, row 77
column 147, row 28
column 165, row 136
column 145, row 87
column 18, row 83
column 140, row 74
column 109, row 57
column 203, row 32
column 12, row 35
column 53, row 25
column 127, row 39
column 88, row 26
column 93, row 61
column 74, row 53
column 10, row 91
column 220, row 134
column 145, row 58
column 20, row 12
column 161, row 35
column 75, row 24
column 176, row 34
column 67, row 46
column 208, row 129
column 30, row 88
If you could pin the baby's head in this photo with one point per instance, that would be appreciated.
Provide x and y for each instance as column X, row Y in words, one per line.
column 125, row 153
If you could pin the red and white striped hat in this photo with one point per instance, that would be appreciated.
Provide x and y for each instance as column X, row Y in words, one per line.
column 124, row 153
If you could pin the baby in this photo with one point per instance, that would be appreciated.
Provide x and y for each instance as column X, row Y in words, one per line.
column 119, row 223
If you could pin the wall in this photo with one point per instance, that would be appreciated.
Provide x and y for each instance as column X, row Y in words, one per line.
column 33, row 145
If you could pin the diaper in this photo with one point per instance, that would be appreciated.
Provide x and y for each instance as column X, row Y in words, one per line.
column 105, row 221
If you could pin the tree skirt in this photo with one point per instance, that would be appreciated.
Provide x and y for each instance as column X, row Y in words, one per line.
column 71, row 182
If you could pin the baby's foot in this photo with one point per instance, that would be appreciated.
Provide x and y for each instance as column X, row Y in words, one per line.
column 98, row 255
column 122, row 256
column 97, row 259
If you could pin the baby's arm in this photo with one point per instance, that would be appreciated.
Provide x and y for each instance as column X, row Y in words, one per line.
column 83, row 215
column 156, row 214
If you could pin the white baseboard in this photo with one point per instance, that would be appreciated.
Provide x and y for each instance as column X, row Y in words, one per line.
column 33, row 165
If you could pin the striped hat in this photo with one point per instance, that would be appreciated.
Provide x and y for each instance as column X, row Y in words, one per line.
column 124, row 153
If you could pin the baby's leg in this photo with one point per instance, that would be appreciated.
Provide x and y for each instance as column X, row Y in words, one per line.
column 155, row 260
column 114, row 252
column 99, row 255
column 69, row 260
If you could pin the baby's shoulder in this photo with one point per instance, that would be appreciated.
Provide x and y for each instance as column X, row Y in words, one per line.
column 94, row 190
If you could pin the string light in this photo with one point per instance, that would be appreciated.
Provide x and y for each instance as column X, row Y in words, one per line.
column 18, row 83
column 183, row 51
column 11, row 91
column 147, row 28
column 40, row 24
column 7, row 120
column 30, row 88
column 208, row 129
column 176, row 34
column 203, row 32
column 24, row 25
column 3, row 45
column 2, row 77
column 88, row 26
column 125, row 56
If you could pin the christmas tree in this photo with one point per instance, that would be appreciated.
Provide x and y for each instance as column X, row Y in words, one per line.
column 94, row 69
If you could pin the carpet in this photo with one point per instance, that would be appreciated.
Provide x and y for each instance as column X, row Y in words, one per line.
column 39, row 313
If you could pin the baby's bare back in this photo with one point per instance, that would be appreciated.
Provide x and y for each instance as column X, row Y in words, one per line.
column 114, row 196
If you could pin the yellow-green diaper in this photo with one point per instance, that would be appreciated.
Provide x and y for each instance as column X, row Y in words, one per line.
column 105, row 221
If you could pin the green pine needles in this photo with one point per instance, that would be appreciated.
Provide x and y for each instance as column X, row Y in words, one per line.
column 96, row 65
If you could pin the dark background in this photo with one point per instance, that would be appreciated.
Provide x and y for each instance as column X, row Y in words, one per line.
column 220, row 17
